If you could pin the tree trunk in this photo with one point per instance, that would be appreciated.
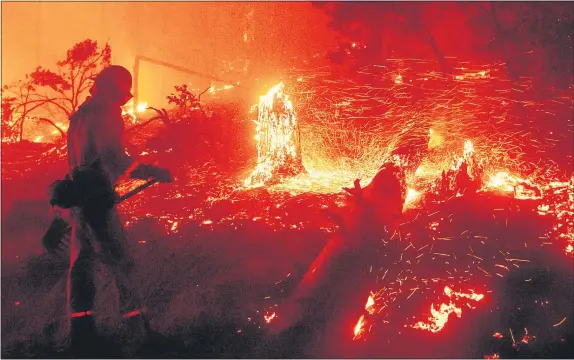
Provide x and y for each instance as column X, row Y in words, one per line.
column 278, row 140
column 21, row 128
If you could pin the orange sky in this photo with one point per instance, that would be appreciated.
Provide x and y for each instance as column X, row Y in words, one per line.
column 199, row 35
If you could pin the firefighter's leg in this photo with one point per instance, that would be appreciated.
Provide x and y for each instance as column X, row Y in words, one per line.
column 81, row 286
column 112, row 237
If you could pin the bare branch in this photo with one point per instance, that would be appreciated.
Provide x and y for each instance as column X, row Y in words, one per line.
column 53, row 101
column 87, row 70
column 142, row 125
column 53, row 124
column 204, row 91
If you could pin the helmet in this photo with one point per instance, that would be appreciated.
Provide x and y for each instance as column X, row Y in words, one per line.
column 116, row 78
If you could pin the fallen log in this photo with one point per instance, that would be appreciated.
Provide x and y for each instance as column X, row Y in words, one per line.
column 337, row 282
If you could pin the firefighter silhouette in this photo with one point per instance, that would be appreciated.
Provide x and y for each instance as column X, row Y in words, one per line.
column 97, row 159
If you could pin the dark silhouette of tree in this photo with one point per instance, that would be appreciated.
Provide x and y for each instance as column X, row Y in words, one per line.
column 58, row 92
column 533, row 39
column 366, row 27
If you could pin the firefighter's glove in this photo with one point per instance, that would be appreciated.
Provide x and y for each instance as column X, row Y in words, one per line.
column 55, row 236
column 146, row 171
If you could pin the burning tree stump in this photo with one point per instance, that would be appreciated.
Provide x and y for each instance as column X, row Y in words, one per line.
column 278, row 140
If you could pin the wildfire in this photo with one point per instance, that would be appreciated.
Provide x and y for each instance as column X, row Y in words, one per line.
column 277, row 135
column 278, row 153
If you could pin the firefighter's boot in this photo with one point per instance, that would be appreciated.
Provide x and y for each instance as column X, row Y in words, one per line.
column 83, row 335
column 136, row 332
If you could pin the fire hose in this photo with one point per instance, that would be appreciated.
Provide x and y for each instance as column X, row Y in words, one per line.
column 60, row 228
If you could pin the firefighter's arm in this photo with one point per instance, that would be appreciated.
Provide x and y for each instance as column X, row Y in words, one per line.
column 112, row 151
column 108, row 140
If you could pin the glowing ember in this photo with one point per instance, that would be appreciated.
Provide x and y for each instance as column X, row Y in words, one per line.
column 473, row 296
column 522, row 189
column 278, row 146
column 359, row 328
column 439, row 318
column 370, row 305
column 269, row 318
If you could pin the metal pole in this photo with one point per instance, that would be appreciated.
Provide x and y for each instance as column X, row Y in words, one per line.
column 136, row 80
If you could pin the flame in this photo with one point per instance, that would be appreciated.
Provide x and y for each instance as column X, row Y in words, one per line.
column 483, row 74
column 473, row 296
column 269, row 318
column 141, row 107
column 277, row 138
column 522, row 189
column 439, row 318
column 468, row 149
column 359, row 328
column 412, row 194
column 369, row 306
column 436, row 140
column 492, row 356
column 502, row 181
column 130, row 111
